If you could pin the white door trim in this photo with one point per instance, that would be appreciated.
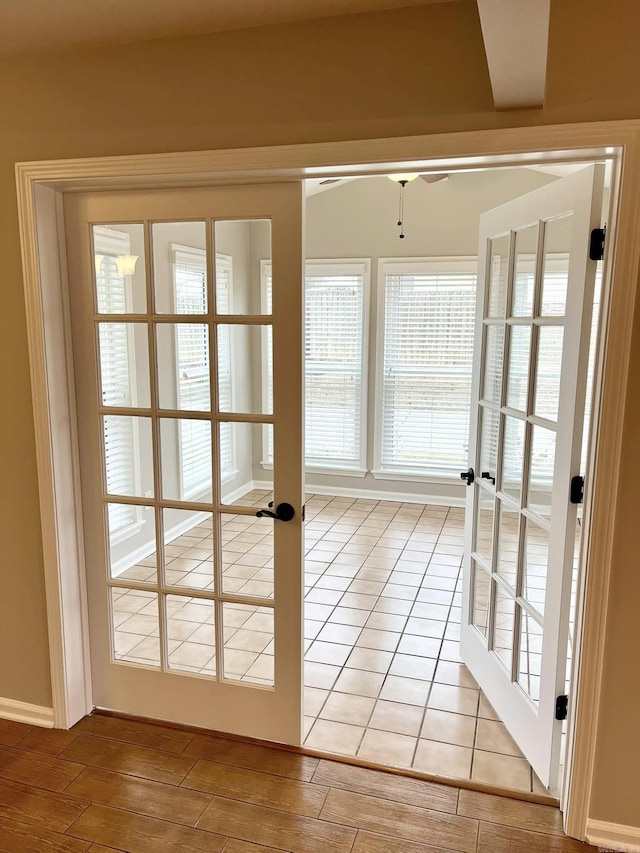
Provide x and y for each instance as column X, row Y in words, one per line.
column 39, row 187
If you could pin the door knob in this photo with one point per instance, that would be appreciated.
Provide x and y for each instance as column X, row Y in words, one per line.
column 284, row 512
column 469, row 476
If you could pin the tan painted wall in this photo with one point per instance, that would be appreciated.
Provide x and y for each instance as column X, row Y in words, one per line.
column 416, row 70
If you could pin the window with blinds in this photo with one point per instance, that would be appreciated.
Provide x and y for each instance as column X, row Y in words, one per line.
column 335, row 362
column 427, row 353
column 116, row 356
column 189, row 269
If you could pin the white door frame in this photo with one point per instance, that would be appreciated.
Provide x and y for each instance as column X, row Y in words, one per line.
column 40, row 186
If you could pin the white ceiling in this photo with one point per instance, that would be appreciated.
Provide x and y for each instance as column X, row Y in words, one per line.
column 30, row 26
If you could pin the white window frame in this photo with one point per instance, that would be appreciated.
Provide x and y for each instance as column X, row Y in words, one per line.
column 108, row 242
column 226, row 262
column 406, row 266
column 332, row 266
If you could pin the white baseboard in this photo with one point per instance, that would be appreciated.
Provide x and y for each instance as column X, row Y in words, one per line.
column 613, row 836
column 23, row 712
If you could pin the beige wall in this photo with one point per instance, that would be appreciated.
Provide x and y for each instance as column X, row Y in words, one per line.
column 418, row 70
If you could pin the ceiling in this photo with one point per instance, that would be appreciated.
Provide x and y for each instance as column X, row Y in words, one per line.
column 31, row 26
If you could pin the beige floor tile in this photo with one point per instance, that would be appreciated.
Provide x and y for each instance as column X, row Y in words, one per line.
column 397, row 717
column 410, row 691
column 427, row 647
column 385, row 747
column 443, row 759
column 397, row 606
column 359, row 682
column 448, row 672
column 460, row 700
column 320, row 675
column 372, row 638
column 349, row 616
column 503, row 770
column 446, row 727
column 330, row 736
column 348, row 708
column 493, row 736
column 386, row 621
column 314, row 699
column 413, row 666
column 334, row 633
column 191, row 654
column 331, row 653
column 371, row 660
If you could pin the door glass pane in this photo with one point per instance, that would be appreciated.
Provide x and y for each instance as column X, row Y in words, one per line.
column 513, row 457
column 247, row 556
column 188, row 548
column 131, row 531
column 547, row 388
column 480, row 603
column 180, row 267
column 489, row 441
column 508, row 534
column 248, row 643
column 536, row 560
column 124, row 364
column 242, row 451
column 498, row 276
column 118, row 256
column 494, row 354
column 183, row 366
column 185, row 451
column 127, row 456
column 505, row 607
column 484, row 525
column 542, row 460
column 530, row 656
column 134, row 615
column 191, row 634
column 525, row 271
column 241, row 244
column 243, row 363
column 518, row 376
column 555, row 266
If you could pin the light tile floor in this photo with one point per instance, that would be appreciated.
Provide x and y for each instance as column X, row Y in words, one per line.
column 383, row 676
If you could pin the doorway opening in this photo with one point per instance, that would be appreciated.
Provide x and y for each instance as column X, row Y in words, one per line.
column 389, row 361
column 41, row 189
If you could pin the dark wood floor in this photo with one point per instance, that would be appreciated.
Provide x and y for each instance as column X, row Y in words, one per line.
column 120, row 785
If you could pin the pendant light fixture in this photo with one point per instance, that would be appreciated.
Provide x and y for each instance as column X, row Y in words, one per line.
column 403, row 180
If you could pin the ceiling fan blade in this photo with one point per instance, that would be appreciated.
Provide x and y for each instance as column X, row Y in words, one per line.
column 434, row 177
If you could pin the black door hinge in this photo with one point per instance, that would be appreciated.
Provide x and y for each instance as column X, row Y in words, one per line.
column 596, row 243
column 303, row 509
column 576, row 494
column 562, row 706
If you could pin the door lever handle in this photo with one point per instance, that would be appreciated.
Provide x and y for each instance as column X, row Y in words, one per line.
column 486, row 475
column 469, row 476
column 284, row 512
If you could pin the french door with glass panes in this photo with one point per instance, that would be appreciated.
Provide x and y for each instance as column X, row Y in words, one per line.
column 195, row 601
column 535, row 298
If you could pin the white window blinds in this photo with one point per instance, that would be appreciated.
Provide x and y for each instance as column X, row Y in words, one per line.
column 425, row 387
column 116, row 355
column 335, row 359
column 189, row 270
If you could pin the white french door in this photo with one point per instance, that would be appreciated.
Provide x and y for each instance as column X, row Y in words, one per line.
column 535, row 297
column 195, row 598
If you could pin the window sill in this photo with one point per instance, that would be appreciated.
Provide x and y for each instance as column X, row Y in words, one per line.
column 331, row 471
column 418, row 477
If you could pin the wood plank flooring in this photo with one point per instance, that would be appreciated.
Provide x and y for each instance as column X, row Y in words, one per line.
column 123, row 786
